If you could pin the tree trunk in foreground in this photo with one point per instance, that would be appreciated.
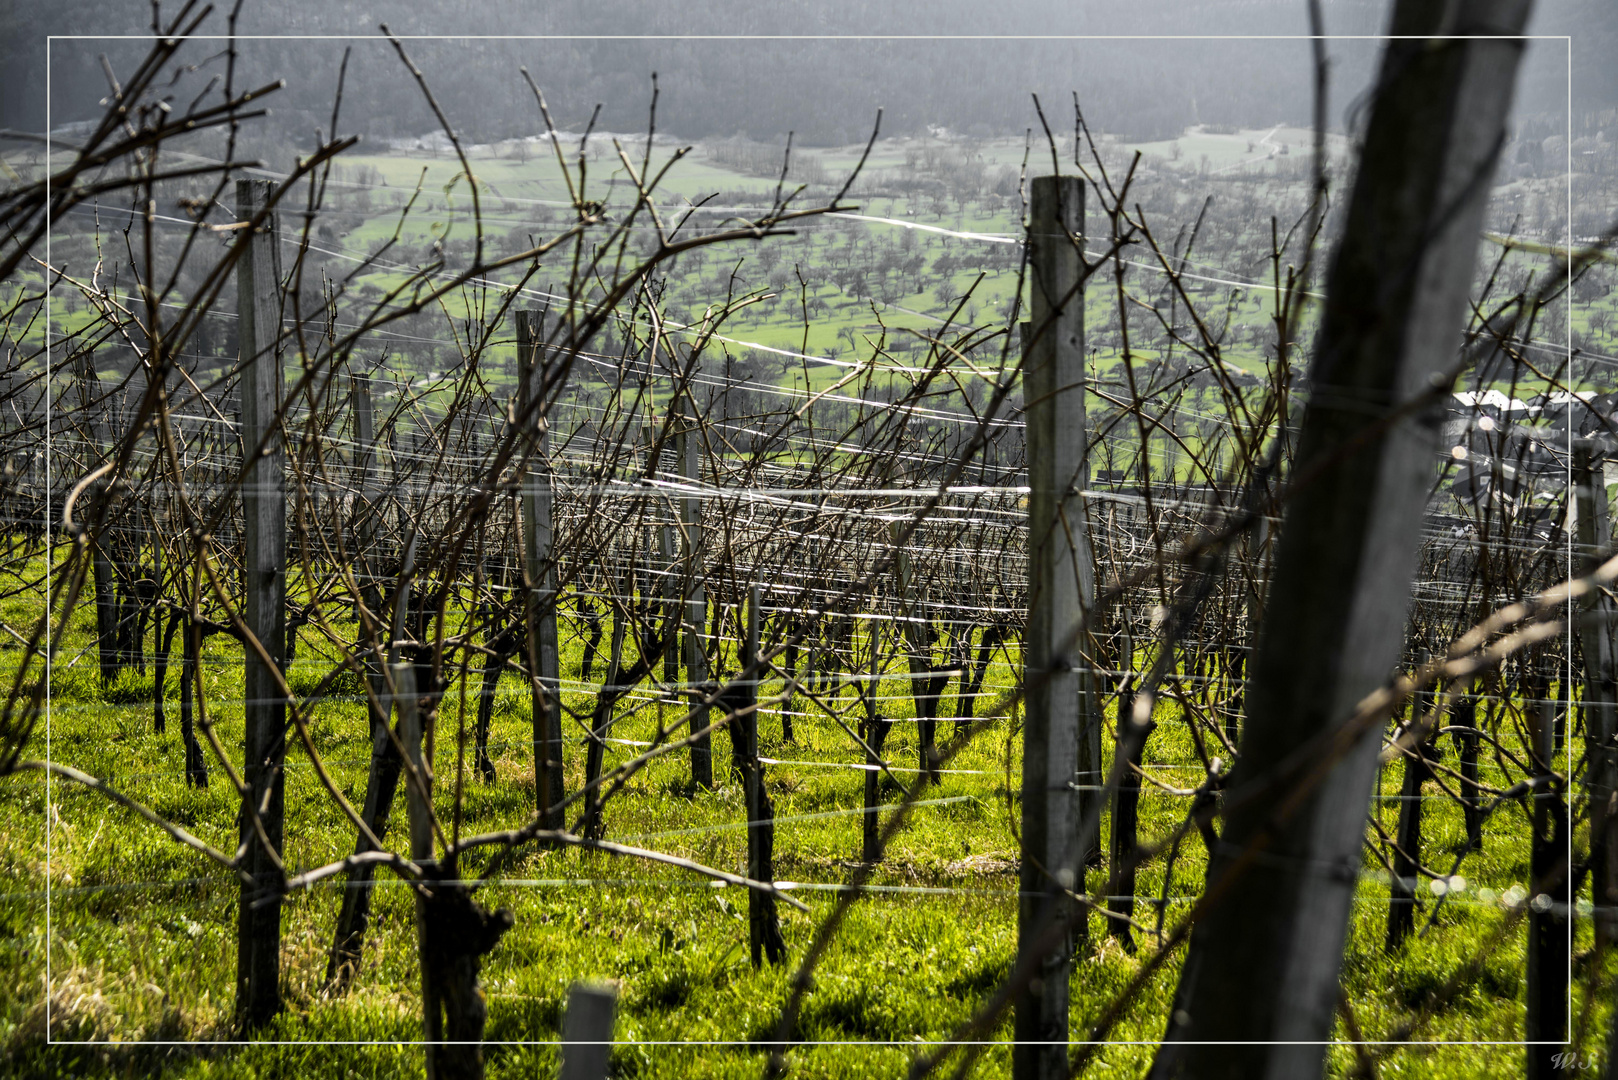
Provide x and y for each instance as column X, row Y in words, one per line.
column 1594, row 535
column 1259, row 989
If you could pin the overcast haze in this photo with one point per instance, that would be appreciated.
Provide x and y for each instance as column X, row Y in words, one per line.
column 825, row 91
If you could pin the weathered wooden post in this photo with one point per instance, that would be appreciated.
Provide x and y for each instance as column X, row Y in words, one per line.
column 366, row 512
column 124, row 595
column 1256, row 556
column 1061, row 740
column 1545, row 1028
column 258, row 290
column 696, row 596
column 366, row 522
column 874, row 729
column 926, row 684
column 587, row 1032
column 1466, row 744
column 1407, row 838
column 1594, row 538
column 539, row 573
column 106, row 595
column 643, row 591
column 669, row 593
column 763, row 921
column 789, row 666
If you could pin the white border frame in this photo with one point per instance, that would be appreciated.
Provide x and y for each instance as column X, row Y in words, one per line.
column 50, row 548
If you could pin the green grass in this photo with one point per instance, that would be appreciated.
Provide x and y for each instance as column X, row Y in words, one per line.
column 141, row 938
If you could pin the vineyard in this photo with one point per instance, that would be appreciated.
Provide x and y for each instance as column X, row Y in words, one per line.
column 928, row 606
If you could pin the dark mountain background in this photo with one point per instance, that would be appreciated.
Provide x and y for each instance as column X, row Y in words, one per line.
column 826, row 91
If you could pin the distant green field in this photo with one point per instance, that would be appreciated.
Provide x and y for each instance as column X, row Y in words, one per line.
column 903, row 275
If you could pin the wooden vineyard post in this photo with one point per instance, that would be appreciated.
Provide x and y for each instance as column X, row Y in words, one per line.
column 1465, row 719
column 696, row 597
column 587, row 1032
column 106, row 594
column 258, row 963
column 1468, row 737
column 1407, row 838
column 1257, row 547
column 1061, row 739
column 763, row 921
column 367, row 519
column 656, row 601
column 1545, row 1028
column 874, row 729
column 1594, row 538
column 925, row 684
column 123, row 594
column 539, row 575
column 668, row 593
column 365, row 508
